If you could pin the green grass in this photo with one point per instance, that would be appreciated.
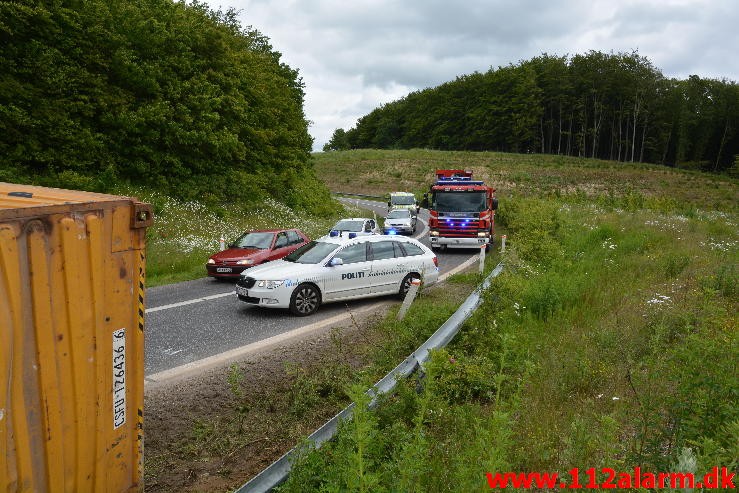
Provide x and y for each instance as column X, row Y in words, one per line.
column 185, row 234
column 376, row 172
column 609, row 341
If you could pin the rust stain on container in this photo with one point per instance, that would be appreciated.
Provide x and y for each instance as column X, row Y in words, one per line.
column 71, row 340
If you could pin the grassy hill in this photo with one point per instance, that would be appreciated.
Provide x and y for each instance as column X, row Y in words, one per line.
column 609, row 341
column 532, row 175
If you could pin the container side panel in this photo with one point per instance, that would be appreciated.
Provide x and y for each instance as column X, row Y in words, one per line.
column 26, row 448
column 95, row 226
column 65, row 370
column 40, row 254
column 140, row 266
column 10, row 320
column 121, row 424
column 75, row 251
column 122, row 234
column 71, row 324
column 24, row 393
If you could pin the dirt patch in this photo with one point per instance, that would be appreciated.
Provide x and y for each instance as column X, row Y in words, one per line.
column 190, row 424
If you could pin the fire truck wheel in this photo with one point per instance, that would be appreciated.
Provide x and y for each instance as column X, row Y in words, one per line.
column 490, row 244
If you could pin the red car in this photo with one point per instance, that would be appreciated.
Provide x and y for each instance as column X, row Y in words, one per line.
column 254, row 248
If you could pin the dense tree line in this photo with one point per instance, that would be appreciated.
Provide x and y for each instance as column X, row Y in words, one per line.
column 609, row 106
column 167, row 94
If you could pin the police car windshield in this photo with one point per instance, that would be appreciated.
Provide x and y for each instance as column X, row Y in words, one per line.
column 399, row 214
column 311, row 253
column 349, row 225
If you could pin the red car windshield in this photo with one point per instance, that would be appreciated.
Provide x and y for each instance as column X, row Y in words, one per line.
column 261, row 241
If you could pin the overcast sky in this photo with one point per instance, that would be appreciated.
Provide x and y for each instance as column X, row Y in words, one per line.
column 355, row 55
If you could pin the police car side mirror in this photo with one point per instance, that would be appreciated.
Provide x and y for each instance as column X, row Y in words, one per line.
column 335, row 261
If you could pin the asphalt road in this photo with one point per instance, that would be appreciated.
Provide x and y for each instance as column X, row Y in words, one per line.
column 189, row 321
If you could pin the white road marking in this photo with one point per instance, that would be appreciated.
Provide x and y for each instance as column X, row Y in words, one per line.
column 189, row 302
column 443, row 277
column 234, row 354
column 418, row 236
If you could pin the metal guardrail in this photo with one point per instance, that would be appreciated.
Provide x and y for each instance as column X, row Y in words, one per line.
column 278, row 471
column 359, row 195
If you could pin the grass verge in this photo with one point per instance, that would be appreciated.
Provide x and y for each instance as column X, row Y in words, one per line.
column 609, row 341
column 185, row 234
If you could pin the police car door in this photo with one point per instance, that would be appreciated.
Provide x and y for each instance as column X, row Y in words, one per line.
column 388, row 266
column 350, row 280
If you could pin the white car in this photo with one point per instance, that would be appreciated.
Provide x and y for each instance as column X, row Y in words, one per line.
column 336, row 268
column 360, row 226
column 400, row 221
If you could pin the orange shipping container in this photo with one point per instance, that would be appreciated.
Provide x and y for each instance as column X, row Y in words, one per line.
column 71, row 340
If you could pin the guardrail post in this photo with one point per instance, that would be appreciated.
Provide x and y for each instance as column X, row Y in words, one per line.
column 502, row 243
column 409, row 297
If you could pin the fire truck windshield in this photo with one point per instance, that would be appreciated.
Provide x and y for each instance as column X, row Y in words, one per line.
column 459, row 201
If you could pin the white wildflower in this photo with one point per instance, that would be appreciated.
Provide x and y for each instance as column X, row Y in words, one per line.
column 608, row 244
column 659, row 299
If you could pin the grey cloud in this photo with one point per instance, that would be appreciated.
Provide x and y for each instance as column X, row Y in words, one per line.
column 371, row 49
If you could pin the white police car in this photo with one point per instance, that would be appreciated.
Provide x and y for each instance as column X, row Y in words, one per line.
column 336, row 268
column 359, row 225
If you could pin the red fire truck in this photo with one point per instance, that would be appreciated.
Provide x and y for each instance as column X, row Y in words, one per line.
column 462, row 210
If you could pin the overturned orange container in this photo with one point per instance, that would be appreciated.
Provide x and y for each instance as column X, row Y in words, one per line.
column 71, row 340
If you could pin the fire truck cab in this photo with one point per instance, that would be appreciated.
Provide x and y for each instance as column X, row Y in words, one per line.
column 462, row 211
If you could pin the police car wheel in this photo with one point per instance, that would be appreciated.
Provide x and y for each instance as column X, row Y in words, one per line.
column 305, row 300
column 406, row 284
